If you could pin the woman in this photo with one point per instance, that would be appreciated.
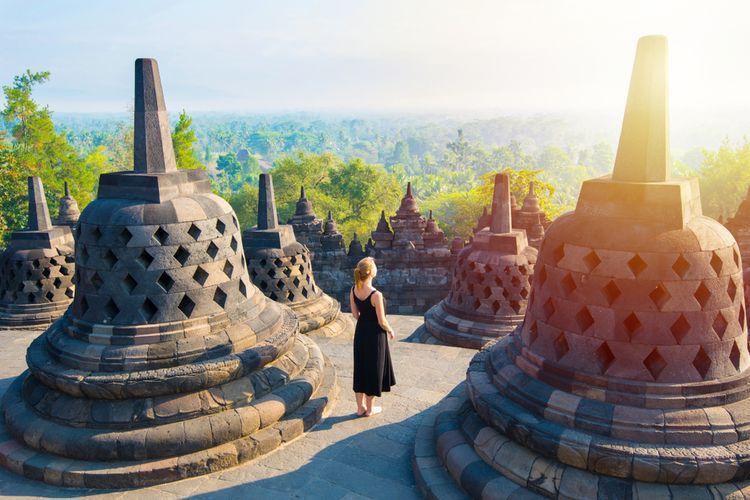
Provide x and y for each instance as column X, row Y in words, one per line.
column 373, row 372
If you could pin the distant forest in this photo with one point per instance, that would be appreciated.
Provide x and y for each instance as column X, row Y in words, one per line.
column 353, row 166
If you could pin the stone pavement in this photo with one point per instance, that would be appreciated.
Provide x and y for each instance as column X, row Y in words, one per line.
column 343, row 457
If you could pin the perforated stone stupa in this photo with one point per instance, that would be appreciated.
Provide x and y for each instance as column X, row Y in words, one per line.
column 68, row 213
column 282, row 268
column 170, row 363
column 37, row 269
column 629, row 375
column 306, row 225
column 491, row 281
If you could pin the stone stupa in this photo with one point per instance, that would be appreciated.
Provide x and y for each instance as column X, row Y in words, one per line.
column 491, row 281
column 306, row 225
column 36, row 285
column 282, row 268
column 629, row 377
column 68, row 213
column 170, row 363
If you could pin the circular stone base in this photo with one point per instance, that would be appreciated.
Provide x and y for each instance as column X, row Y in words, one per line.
column 466, row 333
column 61, row 471
column 31, row 316
column 316, row 313
column 458, row 454
column 342, row 325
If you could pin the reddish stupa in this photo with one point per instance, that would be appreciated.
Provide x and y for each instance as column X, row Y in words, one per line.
column 491, row 281
column 629, row 376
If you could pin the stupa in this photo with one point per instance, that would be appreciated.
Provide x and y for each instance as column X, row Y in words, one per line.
column 306, row 225
column 170, row 363
column 629, row 375
column 69, row 213
column 282, row 268
column 491, row 281
column 36, row 284
column 408, row 224
column 333, row 271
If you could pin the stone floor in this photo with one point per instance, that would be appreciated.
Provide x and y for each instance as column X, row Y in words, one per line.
column 343, row 457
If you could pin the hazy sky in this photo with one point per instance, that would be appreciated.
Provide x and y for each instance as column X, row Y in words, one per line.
column 351, row 55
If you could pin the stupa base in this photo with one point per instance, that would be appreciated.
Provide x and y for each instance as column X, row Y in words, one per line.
column 317, row 316
column 459, row 332
column 31, row 316
column 62, row 471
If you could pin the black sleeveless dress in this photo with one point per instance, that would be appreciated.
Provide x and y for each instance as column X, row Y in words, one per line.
column 373, row 371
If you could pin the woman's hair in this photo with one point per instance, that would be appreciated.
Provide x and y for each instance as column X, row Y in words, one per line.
column 363, row 270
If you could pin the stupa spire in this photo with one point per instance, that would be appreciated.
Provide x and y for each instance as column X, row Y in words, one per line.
column 267, row 217
column 39, row 219
column 152, row 146
column 67, row 189
column 408, row 190
column 302, row 195
column 501, row 222
column 643, row 152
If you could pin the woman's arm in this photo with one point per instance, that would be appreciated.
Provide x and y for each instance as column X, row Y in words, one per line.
column 379, row 303
column 353, row 305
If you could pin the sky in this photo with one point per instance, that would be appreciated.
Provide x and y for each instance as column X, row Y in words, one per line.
column 376, row 56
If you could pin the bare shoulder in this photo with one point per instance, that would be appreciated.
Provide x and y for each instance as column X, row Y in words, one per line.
column 378, row 295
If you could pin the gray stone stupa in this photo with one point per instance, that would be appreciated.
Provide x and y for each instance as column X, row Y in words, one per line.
column 170, row 363
column 69, row 213
column 36, row 285
column 282, row 268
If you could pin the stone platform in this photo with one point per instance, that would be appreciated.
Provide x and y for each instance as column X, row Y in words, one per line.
column 342, row 457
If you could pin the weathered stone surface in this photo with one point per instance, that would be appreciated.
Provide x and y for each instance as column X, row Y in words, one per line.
column 170, row 362
column 68, row 213
column 37, row 269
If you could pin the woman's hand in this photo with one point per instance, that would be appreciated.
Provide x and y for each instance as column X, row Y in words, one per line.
column 390, row 333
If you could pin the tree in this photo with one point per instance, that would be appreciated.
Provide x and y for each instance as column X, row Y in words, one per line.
column 724, row 178
column 183, row 141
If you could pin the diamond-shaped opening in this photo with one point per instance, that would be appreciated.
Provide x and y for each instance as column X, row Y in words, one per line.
column 290, row 296
column 632, row 324
column 182, row 255
column 734, row 356
column 243, row 288
column 301, row 269
column 273, row 296
column 186, row 305
column 278, row 262
column 505, row 294
column 293, row 260
column 229, row 269
column 558, row 253
column 30, row 298
column 659, row 296
column 591, row 260
column 681, row 266
column 124, row 236
column 46, row 272
column 702, row 295
column 165, row 281
column 263, row 285
column 69, row 293
column 220, row 226
column 736, row 256
column 680, row 328
column 549, row 309
column 716, row 263
column 111, row 310
column 271, row 272
column 161, row 235
column 523, row 270
column 741, row 317
column 287, row 271
column 212, row 250
column 194, row 231
column 542, row 275
column 477, row 304
column 253, row 274
column 84, row 305
column 655, row 363
column 472, row 264
column 702, row 362
column 96, row 280
column 496, row 306
column 220, row 297
column 524, row 293
column 604, row 357
column 49, row 295
column 568, row 284
column 533, row 332
column 486, row 291
column 242, row 259
column 64, row 270
column 280, row 285
column 233, row 245
column 144, row 259
column 611, row 292
column 637, row 265
column 515, row 305
column 35, row 263
column 732, row 290
column 305, row 292
column 200, row 275
column 109, row 258
column 515, row 281
column 560, row 346
column 129, row 283
column 720, row 324
column 234, row 220
column 148, row 309
column 95, row 233
column 584, row 319
column 296, row 281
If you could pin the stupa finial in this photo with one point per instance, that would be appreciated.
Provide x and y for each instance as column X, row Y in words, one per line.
column 152, row 146
column 267, row 217
column 408, row 190
column 39, row 219
column 643, row 152
column 501, row 222
column 302, row 195
column 67, row 189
